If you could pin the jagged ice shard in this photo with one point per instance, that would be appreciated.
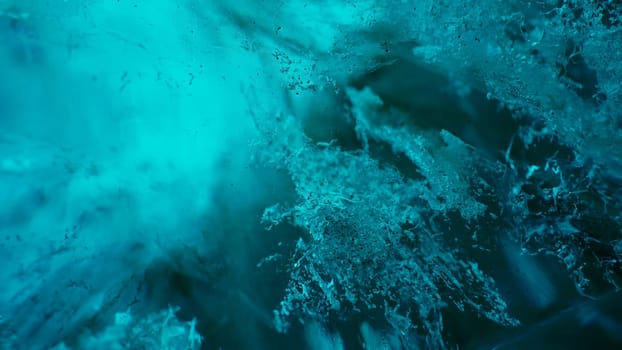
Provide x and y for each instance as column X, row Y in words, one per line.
column 322, row 175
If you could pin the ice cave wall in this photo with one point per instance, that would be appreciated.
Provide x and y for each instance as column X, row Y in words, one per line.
column 431, row 173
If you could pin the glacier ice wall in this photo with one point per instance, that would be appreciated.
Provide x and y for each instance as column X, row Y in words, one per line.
column 325, row 175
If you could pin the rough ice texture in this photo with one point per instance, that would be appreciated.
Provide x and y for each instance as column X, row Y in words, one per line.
column 403, row 153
